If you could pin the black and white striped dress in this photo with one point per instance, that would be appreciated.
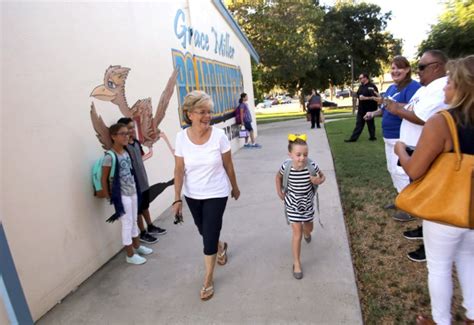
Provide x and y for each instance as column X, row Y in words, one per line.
column 299, row 199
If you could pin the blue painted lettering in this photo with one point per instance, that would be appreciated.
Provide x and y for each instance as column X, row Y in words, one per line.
column 223, row 82
column 182, row 28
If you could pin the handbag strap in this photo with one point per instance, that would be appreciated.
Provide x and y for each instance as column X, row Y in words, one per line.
column 454, row 135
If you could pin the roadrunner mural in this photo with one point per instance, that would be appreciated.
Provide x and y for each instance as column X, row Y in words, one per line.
column 147, row 125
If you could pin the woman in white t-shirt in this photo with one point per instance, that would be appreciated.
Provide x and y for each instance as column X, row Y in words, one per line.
column 203, row 170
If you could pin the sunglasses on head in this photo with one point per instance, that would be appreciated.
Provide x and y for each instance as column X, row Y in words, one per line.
column 422, row 67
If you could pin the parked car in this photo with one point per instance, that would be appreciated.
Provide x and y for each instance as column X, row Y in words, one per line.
column 327, row 103
column 267, row 103
column 284, row 99
column 343, row 93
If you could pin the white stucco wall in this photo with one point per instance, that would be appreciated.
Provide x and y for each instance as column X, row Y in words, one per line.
column 53, row 55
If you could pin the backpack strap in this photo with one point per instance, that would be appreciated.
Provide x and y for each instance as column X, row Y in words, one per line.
column 111, row 153
column 312, row 172
column 286, row 174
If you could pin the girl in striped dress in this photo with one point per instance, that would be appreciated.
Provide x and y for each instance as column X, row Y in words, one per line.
column 299, row 196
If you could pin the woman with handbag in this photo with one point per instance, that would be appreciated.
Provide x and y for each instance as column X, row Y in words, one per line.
column 444, row 242
column 314, row 109
column 245, row 119
column 204, row 172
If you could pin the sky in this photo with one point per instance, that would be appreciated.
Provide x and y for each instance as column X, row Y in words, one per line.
column 411, row 20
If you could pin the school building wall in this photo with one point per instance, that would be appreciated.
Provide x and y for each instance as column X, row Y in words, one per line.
column 54, row 55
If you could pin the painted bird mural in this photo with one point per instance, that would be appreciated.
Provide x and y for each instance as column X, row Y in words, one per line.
column 147, row 125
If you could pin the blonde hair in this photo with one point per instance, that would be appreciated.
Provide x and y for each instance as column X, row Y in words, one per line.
column 195, row 99
column 461, row 73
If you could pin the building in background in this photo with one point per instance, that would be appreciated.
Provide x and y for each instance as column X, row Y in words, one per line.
column 53, row 55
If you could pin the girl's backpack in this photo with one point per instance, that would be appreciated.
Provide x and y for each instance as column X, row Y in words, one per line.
column 286, row 174
column 97, row 173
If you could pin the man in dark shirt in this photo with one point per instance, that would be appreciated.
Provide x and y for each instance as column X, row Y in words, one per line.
column 365, row 94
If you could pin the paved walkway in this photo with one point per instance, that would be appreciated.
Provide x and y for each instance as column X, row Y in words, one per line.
column 256, row 286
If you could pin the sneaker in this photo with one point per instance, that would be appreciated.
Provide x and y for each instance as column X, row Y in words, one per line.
column 143, row 250
column 307, row 239
column 402, row 216
column 135, row 259
column 373, row 139
column 350, row 140
column 247, row 145
column 256, row 145
column 152, row 229
column 147, row 238
column 414, row 233
column 418, row 255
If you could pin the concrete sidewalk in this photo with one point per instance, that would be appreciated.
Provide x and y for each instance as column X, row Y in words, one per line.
column 256, row 286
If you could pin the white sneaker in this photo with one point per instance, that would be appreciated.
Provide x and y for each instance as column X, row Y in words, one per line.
column 136, row 259
column 143, row 250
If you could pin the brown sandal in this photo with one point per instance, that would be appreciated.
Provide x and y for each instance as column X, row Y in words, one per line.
column 207, row 293
column 222, row 258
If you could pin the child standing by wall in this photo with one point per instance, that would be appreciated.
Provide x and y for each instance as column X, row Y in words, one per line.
column 134, row 148
column 299, row 194
column 122, row 191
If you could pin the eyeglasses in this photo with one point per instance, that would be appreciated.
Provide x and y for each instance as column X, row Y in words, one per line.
column 203, row 112
column 422, row 67
column 122, row 134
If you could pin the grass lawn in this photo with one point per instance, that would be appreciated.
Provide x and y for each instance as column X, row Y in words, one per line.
column 263, row 118
column 392, row 289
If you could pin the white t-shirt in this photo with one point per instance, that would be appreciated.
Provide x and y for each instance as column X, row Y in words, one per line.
column 204, row 173
column 425, row 103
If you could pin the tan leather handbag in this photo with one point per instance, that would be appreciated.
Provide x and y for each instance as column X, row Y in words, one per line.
column 445, row 194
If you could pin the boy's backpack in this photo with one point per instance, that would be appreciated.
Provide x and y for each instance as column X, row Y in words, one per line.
column 312, row 172
column 97, row 173
column 238, row 120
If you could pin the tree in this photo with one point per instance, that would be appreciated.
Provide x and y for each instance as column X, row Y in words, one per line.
column 354, row 34
column 303, row 45
column 283, row 34
column 394, row 48
column 454, row 33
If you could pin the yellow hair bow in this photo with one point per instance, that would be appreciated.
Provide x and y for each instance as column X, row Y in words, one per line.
column 293, row 137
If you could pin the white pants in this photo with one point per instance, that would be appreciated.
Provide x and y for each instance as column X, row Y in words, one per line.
column 129, row 219
column 443, row 246
column 399, row 178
